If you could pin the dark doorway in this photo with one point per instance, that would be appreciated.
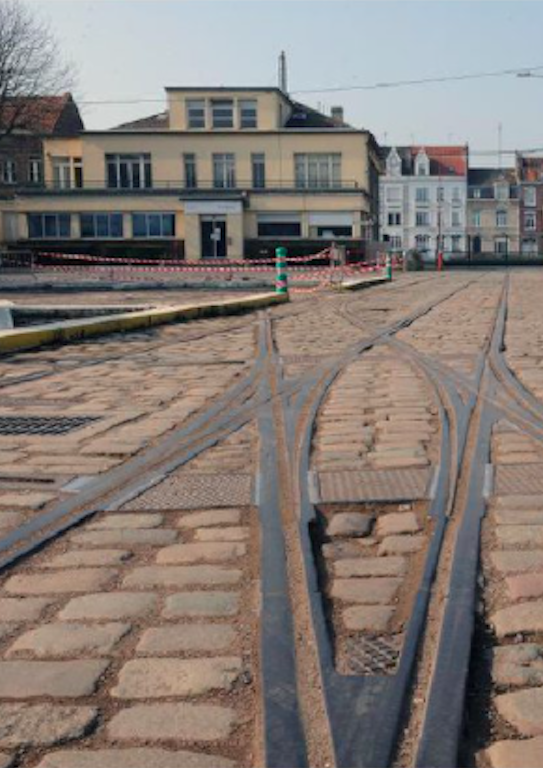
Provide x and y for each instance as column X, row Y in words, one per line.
column 476, row 244
column 213, row 232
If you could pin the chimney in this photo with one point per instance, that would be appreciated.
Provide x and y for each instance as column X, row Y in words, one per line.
column 337, row 115
column 282, row 73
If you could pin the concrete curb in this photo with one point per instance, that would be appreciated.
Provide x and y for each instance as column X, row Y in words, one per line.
column 70, row 330
column 358, row 285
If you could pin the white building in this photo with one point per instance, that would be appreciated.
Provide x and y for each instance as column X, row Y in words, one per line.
column 423, row 198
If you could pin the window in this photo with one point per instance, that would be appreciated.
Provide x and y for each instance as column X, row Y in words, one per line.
column 476, row 218
column 422, row 164
column 189, row 164
column 224, row 171
column 279, row 225
column 456, row 195
column 223, row 113
column 422, row 242
column 393, row 194
column 67, row 172
column 501, row 218
column 9, row 172
column 529, row 246
column 317, row 171
column 394, row 219
column 440, row 194
column 422, row 195
column 129, row 171
column 330, row 225
column 529, row 196
column 529, row 220
column 153, row 225
column 106, row 225
column 501, row 245
column 196, row 113
column 258, row 163
column 395, row 242
column 248, row 113
column 49, row 225
column 456, row 242
column 476, row 193
column 501, row 191
column 422, row 219
column 456, row 219
column 394, row 163
column 35, row 170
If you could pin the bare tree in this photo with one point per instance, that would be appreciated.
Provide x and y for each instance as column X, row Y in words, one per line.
column 30, row 67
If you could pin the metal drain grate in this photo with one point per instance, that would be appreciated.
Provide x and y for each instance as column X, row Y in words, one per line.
column 372, row 655
column 197, row 491
column 42, row 425
column 524, row 479
column 371, row 485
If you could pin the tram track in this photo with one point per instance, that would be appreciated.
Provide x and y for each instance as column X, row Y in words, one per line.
column 312, row 714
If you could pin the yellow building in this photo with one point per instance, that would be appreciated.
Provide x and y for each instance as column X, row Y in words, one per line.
column 224, row 172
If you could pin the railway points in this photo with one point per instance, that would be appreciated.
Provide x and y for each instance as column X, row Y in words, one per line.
column 309, row 535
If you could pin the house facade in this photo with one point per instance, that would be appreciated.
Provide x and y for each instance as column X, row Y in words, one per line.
column 422, row 195
column 493, row 212
column 222, row 173
column 530, row 175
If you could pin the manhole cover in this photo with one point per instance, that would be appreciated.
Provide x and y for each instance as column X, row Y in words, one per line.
column 372, row 655
column 377, row 485
column 197, row 491
column 42, row 425
column 511, row 479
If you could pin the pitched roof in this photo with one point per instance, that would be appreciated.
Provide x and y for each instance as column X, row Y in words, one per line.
column 41, row 114
column 446, row 160
column 159, row 121
column 306, row 117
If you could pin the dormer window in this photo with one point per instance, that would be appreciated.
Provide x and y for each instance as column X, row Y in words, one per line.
column 196, row 113
column 394, row 163
column 422, row 164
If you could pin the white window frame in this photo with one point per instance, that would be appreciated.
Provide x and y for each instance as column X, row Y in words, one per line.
column 248, row 113
column 9, row 171
column 476, row 219
column 317, row 170
column 393, row 194
column 499, row 243
column 501, row 219
column 530, row 196
column 139, row 160
column 222, row 114
column 35, row 170
column 396, row 217
column 530, row 216
column 422, row 219
column 501, row 191
column 456, row 219
column 224, row 170
column 196, row 113
column 422, row 195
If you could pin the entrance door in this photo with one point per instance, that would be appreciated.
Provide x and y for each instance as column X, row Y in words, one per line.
column 213, row 233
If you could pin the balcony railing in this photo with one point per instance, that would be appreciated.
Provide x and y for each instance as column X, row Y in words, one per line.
column 177, row 187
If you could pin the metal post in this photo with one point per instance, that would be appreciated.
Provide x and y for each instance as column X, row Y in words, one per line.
column 388, row 266
column 281, row 280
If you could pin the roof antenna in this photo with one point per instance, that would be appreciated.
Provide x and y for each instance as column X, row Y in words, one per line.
column 282, row 72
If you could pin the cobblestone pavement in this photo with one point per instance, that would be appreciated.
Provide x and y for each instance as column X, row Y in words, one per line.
column 134, row 639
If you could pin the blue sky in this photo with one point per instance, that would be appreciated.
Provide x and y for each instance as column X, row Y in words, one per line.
column 128, row 49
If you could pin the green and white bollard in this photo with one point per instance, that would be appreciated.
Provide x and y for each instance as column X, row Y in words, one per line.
column 281, row 280
column 388, row 267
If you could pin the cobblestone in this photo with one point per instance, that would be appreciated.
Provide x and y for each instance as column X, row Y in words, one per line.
column 24, row 725
column 110, row 606
column 201, row 604
column 373, row 618
column 212, row 552
column 187, row 637
column 159, row 678
column 132, row 758
column 125, row 537
column 65, row 639
column 181, row 576
column 166, row 722
column 70, row 580
column 523, row 710
column 22, row 608
column 524, row 617
column 211, row 518
column 516, row 754
column 25, row 679
column 368, row 591
column 370, row 566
